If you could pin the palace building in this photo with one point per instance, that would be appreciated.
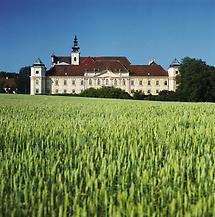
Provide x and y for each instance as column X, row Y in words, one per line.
column 74, row 74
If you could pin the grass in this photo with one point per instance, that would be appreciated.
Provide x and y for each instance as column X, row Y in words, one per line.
column 65, row 156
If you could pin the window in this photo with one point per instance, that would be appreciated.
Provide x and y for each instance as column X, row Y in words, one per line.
column 157, row 91
column 157, row 82
column 149, row 91
column 132, row 82
column 123, row 82
column 73, row 91
column 165, row 82
column 37, row 72
column 107, row 81
column 98, row 81
column 90, row 82
column 37, row 90
column 56, row 82
column 65, row 91
column 75, row 59
column 149, row 82
column 73, row 82
column 65, row 82
column 37, row 82
column 141, row 82
column 82, row 82
column 56, row 91
column 176, row 72
column 115, row 82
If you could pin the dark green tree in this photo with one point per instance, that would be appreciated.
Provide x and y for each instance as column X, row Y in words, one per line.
column 106, row 92
column 24, row 80
column 196, row 81
column 138, row 95
column 1, row 87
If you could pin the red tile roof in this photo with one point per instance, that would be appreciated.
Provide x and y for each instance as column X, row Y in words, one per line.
column 96, row 64
column 122, row 60
column 64, row 70
column 147, row 70
column 8, row 82
column 88, row 60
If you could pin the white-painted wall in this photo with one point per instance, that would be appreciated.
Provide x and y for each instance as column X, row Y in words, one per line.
column 173, row 72
column 37, row 80
column 75, row 58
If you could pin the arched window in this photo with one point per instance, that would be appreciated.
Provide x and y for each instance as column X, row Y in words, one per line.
column 123, row 82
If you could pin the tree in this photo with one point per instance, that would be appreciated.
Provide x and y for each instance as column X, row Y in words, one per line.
column 106, row 92
column 138, row 95
column 2, row 87
column 196, row 81
column 24, row 80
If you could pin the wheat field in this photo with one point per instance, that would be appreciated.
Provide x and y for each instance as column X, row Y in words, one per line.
column 68, row 156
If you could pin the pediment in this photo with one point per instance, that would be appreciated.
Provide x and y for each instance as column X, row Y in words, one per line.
column 107, row 73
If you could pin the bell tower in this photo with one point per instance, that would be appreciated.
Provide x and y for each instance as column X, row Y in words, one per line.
column 75, row 56
column 173, row 71
column 37, row 78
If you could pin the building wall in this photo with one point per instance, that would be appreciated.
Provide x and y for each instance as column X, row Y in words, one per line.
column 74, row 84
column 64, row 84
column 149, row 85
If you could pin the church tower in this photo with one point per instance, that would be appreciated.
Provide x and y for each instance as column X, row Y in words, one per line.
column 37, row 78
column 75, row 56
column 173, row 71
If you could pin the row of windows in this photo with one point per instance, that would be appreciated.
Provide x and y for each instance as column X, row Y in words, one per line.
column 149, row 82
column 65, row 82
column 99, row 81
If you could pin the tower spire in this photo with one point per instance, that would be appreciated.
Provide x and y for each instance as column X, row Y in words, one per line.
column 75, row 47
column 75, row 55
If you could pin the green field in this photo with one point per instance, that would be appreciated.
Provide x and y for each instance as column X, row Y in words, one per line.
column 64, row 156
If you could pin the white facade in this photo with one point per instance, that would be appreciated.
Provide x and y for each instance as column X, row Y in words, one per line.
column 74, row 84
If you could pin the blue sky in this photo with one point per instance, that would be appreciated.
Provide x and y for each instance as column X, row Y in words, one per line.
column 138, row 29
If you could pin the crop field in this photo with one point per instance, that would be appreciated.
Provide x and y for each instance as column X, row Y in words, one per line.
column 65, row 156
